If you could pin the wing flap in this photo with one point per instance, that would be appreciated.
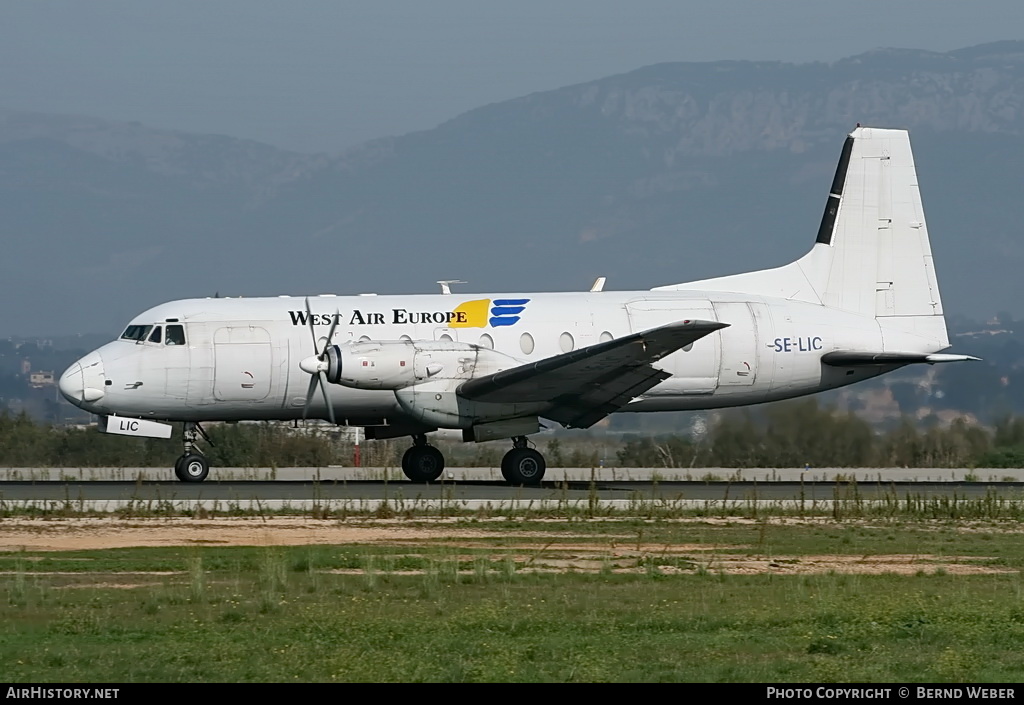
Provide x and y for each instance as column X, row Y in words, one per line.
column 588, row 408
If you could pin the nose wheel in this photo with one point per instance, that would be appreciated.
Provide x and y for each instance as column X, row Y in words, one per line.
column 192, row 466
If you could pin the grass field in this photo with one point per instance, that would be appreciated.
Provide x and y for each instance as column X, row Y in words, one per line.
column 621, row 599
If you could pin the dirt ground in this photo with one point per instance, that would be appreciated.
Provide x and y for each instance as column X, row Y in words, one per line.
column 531, row 550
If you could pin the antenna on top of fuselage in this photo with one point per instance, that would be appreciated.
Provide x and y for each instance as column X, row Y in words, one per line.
column 446, row 285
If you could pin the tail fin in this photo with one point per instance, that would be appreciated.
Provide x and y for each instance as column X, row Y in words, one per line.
column 872, row 255
column 880, row 259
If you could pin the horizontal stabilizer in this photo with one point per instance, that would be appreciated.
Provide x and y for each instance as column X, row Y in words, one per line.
column 841, row 358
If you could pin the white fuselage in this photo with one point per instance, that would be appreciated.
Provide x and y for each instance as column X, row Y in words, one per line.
column 240, row 360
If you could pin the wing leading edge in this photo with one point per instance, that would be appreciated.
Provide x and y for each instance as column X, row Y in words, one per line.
column 586, row 385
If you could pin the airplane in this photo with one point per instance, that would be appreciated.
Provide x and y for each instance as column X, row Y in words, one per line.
column 862, row 302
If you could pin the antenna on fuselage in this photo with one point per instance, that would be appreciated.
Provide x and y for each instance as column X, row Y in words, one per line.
column 599, row 284
column 446, row 287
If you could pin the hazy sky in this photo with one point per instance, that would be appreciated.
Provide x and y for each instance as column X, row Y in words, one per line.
column 324, row 75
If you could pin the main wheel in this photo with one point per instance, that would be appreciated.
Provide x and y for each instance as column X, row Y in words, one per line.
column 423, row 463
column 523, row 466
column 192, row 468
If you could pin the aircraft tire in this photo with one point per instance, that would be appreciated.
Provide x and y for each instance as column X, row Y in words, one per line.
column 192, row 468
column 423, row 463
column 523, row 466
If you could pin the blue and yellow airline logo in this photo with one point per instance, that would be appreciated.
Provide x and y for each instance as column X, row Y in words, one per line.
column 484, row 312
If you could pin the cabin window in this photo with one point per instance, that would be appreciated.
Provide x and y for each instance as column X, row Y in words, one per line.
column 607, row 337
column 175, row 335
column 566, row 342
column 526, row 343
column 156, row 335
column 486, row 341
column 136, row 333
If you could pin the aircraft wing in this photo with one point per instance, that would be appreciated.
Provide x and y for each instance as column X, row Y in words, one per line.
column 843, row 358
column 586, row 385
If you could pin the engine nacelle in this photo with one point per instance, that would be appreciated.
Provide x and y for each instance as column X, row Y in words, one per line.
column 372, row 365
column 437, row 403
column 397, row 364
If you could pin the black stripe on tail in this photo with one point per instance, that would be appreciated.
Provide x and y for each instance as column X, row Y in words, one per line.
column 828, row 219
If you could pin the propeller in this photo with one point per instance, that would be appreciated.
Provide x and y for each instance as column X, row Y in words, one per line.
column 317, row 366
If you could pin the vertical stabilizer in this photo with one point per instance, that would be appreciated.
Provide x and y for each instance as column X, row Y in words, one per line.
column 880, row 260
column 871, row 255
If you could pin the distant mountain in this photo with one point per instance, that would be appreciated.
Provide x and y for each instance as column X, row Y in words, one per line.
column 669, row 173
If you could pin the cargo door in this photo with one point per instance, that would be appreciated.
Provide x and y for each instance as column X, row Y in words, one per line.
column 739, row 344
column 694, row 368
column 242, row 363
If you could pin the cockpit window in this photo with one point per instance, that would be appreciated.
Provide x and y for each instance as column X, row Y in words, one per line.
column 136, row 333
column 175, row 335
column 156, row 335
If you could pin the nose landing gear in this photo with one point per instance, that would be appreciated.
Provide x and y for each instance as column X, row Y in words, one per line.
column 192, row 466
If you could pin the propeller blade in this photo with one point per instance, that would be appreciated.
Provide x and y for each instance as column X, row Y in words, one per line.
column 309, row 318
column 319, row 377
column 327, row 400
column 330, row 333
column 313, row 380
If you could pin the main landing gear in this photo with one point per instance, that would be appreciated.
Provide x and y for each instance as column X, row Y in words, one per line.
column 519, row 466
column 522, row 465
column 422, row 463
column 192, row 466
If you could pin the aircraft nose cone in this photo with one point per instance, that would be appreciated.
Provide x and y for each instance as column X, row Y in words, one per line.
column 84, row 382
column 70, row 383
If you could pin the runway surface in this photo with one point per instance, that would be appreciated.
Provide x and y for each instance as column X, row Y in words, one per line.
column 366, row 488
column 476, row 490
column 600, row 474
